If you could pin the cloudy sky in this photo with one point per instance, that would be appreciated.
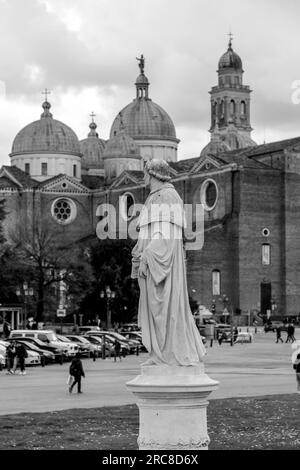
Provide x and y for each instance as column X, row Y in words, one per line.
column 84, row 51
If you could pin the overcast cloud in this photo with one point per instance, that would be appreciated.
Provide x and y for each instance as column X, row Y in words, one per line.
column 85, row 53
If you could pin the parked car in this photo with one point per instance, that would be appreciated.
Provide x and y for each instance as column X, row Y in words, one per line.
column 85, row 329
column 2, row 360
column 98, row 341
column 134, row 335
column 44, row 346
column 130, row 327
column 125, row 348
column 132, row 343
column 49, row 356
column 86, row 348
column 48, row 337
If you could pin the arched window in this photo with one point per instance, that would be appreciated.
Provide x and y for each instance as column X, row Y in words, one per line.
column 266, row 254
column 243, row 107
column 216, row 282
column 222, row 107
column 232, row 107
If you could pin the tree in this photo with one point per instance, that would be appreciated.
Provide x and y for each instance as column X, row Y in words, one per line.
column 2, row 217
column 111, row 263
column 58, row 273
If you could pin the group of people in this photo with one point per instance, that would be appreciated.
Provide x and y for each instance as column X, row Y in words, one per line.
column 16, row 355
column 290, row 334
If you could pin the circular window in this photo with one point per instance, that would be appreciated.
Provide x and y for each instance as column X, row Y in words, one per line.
column 64, row 210
column 265, row 232
column 209, row 194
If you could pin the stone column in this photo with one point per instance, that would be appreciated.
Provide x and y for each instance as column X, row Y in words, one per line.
column 172, row 403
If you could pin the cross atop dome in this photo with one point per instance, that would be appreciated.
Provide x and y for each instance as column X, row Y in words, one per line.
column 230, row 40
column 46, row 93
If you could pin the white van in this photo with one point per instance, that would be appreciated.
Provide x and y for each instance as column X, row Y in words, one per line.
column 48, row 337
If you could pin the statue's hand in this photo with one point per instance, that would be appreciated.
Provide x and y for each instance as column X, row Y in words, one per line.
column 143, row 269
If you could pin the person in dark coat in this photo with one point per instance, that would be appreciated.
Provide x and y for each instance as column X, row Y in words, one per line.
column 278, row 334
column 117, row 350
column 10, row 354
column 290, row 333
column 21, row 354
column 76, row 370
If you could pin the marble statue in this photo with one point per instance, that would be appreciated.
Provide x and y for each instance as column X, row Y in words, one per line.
column 168, row 327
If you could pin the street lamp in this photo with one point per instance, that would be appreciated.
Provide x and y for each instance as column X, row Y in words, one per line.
column 26, row 292
column 108, row 294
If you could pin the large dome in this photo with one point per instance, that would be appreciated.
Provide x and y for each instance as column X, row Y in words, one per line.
column 144, row 119
column 230, row 60
column 47, row 135
column 92, row 150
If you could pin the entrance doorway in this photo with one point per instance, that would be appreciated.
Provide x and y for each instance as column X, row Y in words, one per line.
column 265, row 297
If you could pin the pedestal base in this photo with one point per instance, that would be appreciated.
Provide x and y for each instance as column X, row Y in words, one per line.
column 172, row 405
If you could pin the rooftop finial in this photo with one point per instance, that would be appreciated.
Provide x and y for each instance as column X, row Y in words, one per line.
column 93, row 126
column 230, row 40
column 46, row 93
column 141, row 61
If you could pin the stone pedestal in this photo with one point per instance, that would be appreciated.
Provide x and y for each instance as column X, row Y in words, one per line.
column 172, row 402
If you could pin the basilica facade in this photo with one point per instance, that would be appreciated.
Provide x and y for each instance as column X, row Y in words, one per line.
column 250, row 193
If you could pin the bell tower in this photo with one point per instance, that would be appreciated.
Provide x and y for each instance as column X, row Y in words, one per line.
column 230, row 102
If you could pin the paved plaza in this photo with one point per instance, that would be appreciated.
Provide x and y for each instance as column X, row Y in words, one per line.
column 260, row 368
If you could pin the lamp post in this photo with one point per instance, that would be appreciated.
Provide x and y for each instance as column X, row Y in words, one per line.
column 108, row 294
column 225, row 301
column 26, row 292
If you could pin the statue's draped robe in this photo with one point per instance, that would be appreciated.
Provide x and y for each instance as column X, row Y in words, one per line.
column 168, row 328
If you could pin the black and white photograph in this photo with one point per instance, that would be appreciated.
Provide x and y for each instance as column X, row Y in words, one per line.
column 149, row 229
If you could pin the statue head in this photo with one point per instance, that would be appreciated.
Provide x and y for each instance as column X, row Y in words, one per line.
column 158, row 169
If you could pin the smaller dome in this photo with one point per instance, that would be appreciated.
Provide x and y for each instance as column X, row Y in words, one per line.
column 230, row 60
column 121, row 145
column 92, row 150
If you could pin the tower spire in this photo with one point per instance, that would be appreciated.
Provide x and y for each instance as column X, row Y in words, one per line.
column 230, row 40
column 93, row 126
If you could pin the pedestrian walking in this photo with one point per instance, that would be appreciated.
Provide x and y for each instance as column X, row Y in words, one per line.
column 76, row 371
column 117, row 350
column 278, row 334
column 21, row 354
column 290, row 333
column 10, row 355
column 296, row 366
column 235, row 334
